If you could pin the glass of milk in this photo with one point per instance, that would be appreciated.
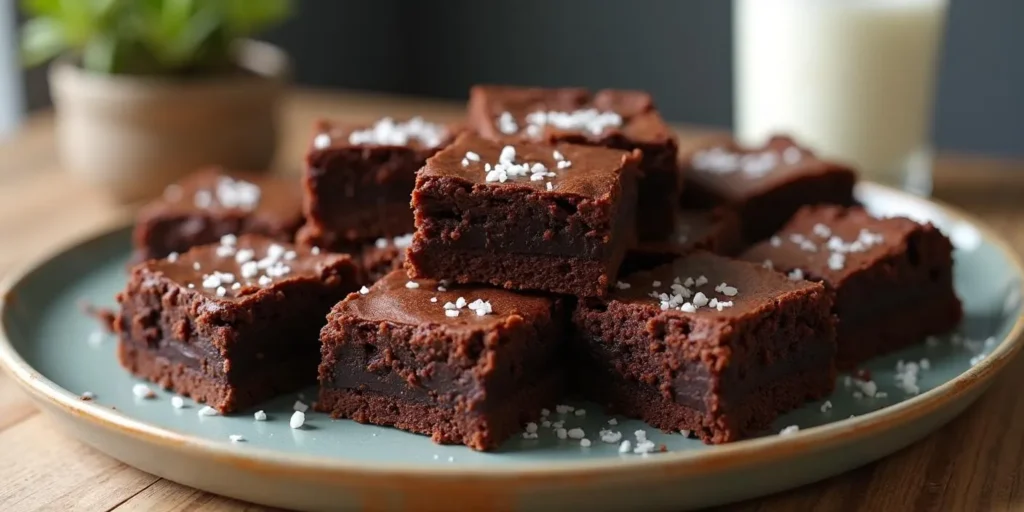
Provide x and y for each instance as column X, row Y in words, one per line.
column 854, row 80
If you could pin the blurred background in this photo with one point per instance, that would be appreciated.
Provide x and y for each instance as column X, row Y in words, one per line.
column 135, row 106
column 680, row 51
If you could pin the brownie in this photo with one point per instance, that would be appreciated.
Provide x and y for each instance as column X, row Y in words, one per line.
column 525, row 216
column 230, row 324
column 213, row 202
column 716, row 230
column 358, row 179
column 618, row 119
column 383, row 256
column 714, row 346
column 766, row 185
column 465, row 365
column 892, row 278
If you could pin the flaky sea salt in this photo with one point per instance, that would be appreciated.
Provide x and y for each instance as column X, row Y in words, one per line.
column 868, row 388
column 724, row 289
column 321, row 141
column 479, row 306
column 507, row 124
column 143, row 391
column 792, row 155
column 719, row 160
column 589, row 120
column 836, row 261
column 95, row 338
column 297, row 420
column 645, row 447
column 625, row 447
column 387, row 132
column 232, row 193
column 610, row 436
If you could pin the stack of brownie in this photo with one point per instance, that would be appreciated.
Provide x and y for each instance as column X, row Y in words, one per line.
column 562, row 243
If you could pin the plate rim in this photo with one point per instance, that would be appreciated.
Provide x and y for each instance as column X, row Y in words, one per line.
column 746, row 453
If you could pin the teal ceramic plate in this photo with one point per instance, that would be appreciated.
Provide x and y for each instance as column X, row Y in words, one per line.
column 57, row 353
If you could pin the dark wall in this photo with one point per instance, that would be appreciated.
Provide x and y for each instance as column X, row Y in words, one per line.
column 679, row 50
column 981, row 86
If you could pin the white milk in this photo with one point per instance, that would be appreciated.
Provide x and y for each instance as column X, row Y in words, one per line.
column 852, row 79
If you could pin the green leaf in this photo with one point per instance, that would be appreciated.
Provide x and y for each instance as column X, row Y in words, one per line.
column 201, row 30
column 101, row 8
column 49, row 8
column 145, row 36
column 41, row 40
column 174, row 17
column 244, row 17
column 100, row 54
column 78, row 20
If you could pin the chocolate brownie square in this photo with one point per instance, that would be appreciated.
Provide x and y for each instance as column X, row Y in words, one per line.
column 707, row 344
column 892, row 277
column 715, row 230
column 213, row 202
column 524, row 216
column 358, row 179
column 766, row 185
column 464, row 365
column 383, row 256
column 618, row 119
column 230, row 324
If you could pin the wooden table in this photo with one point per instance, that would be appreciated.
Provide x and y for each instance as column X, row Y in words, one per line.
column 974, row 463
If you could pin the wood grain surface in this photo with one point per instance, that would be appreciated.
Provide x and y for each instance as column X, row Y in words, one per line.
column 974, row 463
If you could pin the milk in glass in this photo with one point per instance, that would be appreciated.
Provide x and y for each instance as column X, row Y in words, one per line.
column 852, row 79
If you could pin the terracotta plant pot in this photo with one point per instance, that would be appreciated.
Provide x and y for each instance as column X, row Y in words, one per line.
column 134, row 135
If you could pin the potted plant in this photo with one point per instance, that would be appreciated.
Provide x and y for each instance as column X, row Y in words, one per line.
column 147, row 90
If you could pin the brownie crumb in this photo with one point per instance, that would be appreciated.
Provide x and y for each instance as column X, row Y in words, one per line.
column 105, row 316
